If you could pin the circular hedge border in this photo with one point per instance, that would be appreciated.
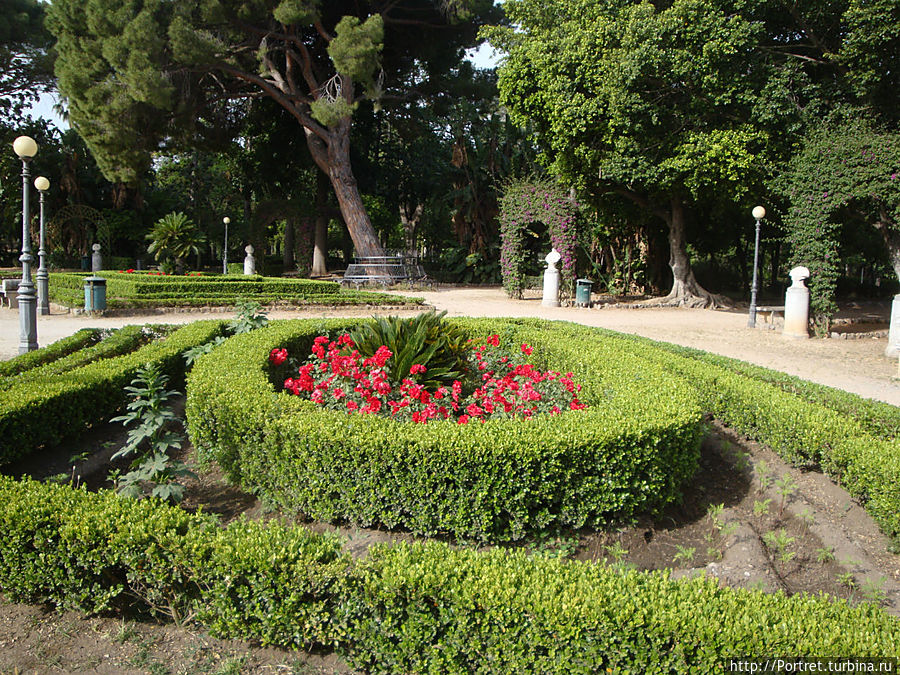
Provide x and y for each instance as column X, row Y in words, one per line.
column 628, row 453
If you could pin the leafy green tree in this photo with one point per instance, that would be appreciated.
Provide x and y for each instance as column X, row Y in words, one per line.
column 174, row 237
column 25, row 64
column 139, row 73
column 830, row 105
column 652, row 102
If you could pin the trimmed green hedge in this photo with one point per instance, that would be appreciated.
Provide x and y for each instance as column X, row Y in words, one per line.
column 98, row 551
column 430, row 608
column 36, row 412
column 879, row 419
column 806, row 424
column 312, row 462
column 120, row 284
column 404, row 609
column 118, row 342
column 628, row 453
column 143, row 290
column 50, row 353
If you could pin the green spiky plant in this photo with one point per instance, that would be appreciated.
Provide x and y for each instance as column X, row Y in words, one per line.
column 424, row 339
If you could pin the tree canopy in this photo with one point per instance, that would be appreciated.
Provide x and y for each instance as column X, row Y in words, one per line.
column 139, row 75
column 650, row 101
column 25, row 65
column 689, row 107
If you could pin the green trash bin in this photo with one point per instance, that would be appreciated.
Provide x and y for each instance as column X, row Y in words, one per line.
column 583, row 292
column 94, row 294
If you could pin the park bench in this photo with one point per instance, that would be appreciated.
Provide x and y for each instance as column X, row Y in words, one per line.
column 770, row 313
column 10, row 291
column 383, row 270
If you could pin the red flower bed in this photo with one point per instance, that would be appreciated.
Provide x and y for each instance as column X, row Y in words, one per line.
column 336, row 376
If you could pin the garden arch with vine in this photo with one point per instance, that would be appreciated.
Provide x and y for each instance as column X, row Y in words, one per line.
column 845, row 176
column 524, row 203
column 74, row 227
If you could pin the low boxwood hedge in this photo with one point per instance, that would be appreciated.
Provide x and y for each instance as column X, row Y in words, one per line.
column 144, row 290
column 879, row 419
column 121, row 284
column 40, row 411
column 628, row 453
column 98, row 551
column 407, row 608
column 115, row 343
column 50, row 353
column 806, row 425
column 426, row 607
column 809, row 425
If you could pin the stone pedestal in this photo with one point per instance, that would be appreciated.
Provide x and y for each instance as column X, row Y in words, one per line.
column 249, row 260
column 96, row 259
column 796, row 305
column 893, row 346
column 551, row 280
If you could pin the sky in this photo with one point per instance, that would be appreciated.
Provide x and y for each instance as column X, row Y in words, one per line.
column 44, row 108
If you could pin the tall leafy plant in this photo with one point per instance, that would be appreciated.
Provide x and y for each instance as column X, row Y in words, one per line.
column 151, row 438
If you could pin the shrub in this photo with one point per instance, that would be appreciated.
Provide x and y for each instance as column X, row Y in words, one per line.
column 835, row 434
column 118, row 342
column 407, row 608
column 50, row 353
column 95, row 552
column 879, row 419
column 426, row 339
column 431, row 608
column 149, row 290
column 37, row 412
column 628, row 453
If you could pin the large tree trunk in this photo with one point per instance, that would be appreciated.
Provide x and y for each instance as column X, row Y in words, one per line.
column 333, row 158
column 409, row 217
column 685, row 289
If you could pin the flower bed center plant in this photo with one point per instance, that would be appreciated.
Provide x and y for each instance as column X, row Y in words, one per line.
column 501, row 385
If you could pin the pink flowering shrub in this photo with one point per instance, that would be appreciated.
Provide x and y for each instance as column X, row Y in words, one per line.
column 337, row 377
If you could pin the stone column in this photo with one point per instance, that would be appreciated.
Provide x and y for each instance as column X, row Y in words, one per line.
column 893, row 346
column 796, row 305
column 551, row 280
column 249, row 260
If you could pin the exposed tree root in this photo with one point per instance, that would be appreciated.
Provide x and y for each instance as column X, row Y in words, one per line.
column 698, row 299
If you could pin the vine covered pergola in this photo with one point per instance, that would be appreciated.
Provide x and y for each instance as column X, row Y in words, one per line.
column 74, row 227
column 845, row 178
column 524, row 203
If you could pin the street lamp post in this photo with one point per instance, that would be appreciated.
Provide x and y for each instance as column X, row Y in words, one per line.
column 26, row 149
column 225, row 220
column 43, row 300
column 758, row 213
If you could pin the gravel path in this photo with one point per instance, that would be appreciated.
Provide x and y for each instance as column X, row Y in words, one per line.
column 858, row 366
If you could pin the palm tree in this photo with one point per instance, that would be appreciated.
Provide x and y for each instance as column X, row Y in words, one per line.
column 175, row 236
